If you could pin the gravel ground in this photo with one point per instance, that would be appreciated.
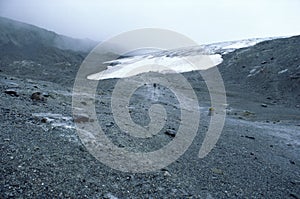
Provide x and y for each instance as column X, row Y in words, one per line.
column 257, row 155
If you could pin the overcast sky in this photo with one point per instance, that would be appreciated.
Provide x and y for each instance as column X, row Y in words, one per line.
column 203, row 21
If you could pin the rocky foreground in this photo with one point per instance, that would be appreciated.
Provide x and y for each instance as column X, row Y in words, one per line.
column 257, row 155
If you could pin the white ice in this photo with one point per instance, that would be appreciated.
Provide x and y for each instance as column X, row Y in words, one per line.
column 162, row 64
column 282, row 71
column 56, row 120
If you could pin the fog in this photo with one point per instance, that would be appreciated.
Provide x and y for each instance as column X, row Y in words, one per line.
column 203, row 21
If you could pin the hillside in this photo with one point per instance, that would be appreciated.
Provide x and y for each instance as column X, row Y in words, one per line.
column 270, row 69
column 256, row 156
column 20, row 41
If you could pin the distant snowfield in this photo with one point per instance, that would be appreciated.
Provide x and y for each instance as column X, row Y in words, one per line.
column 140, row 64
column 174, row 61
column 240, row 45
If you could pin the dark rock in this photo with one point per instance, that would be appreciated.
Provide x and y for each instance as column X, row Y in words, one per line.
column 170, row 132
column 164, row 169
column 11, row 92
column 250, row 137
column 264, row 62
column 297, row 76
column 81, row 119
column 295, row 182
column 292, row 162
column 264, row 105
column 81, row 148
column 46, row 94
column 295, row 196
column 36, row 148
column 44, row 120
column 121, row 145
column 110, row 124
column 37, row 96
column 248, row 113
column 211, row 111
column 83, row 103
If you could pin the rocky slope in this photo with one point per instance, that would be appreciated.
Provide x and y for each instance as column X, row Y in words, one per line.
column 257, row 155
column 270, row 68
column 24, row 48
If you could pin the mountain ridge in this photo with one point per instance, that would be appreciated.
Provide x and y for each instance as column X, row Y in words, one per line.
column 20, row 41
column 11, row 27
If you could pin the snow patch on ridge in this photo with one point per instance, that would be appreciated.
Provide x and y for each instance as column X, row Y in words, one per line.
column 162, row 64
